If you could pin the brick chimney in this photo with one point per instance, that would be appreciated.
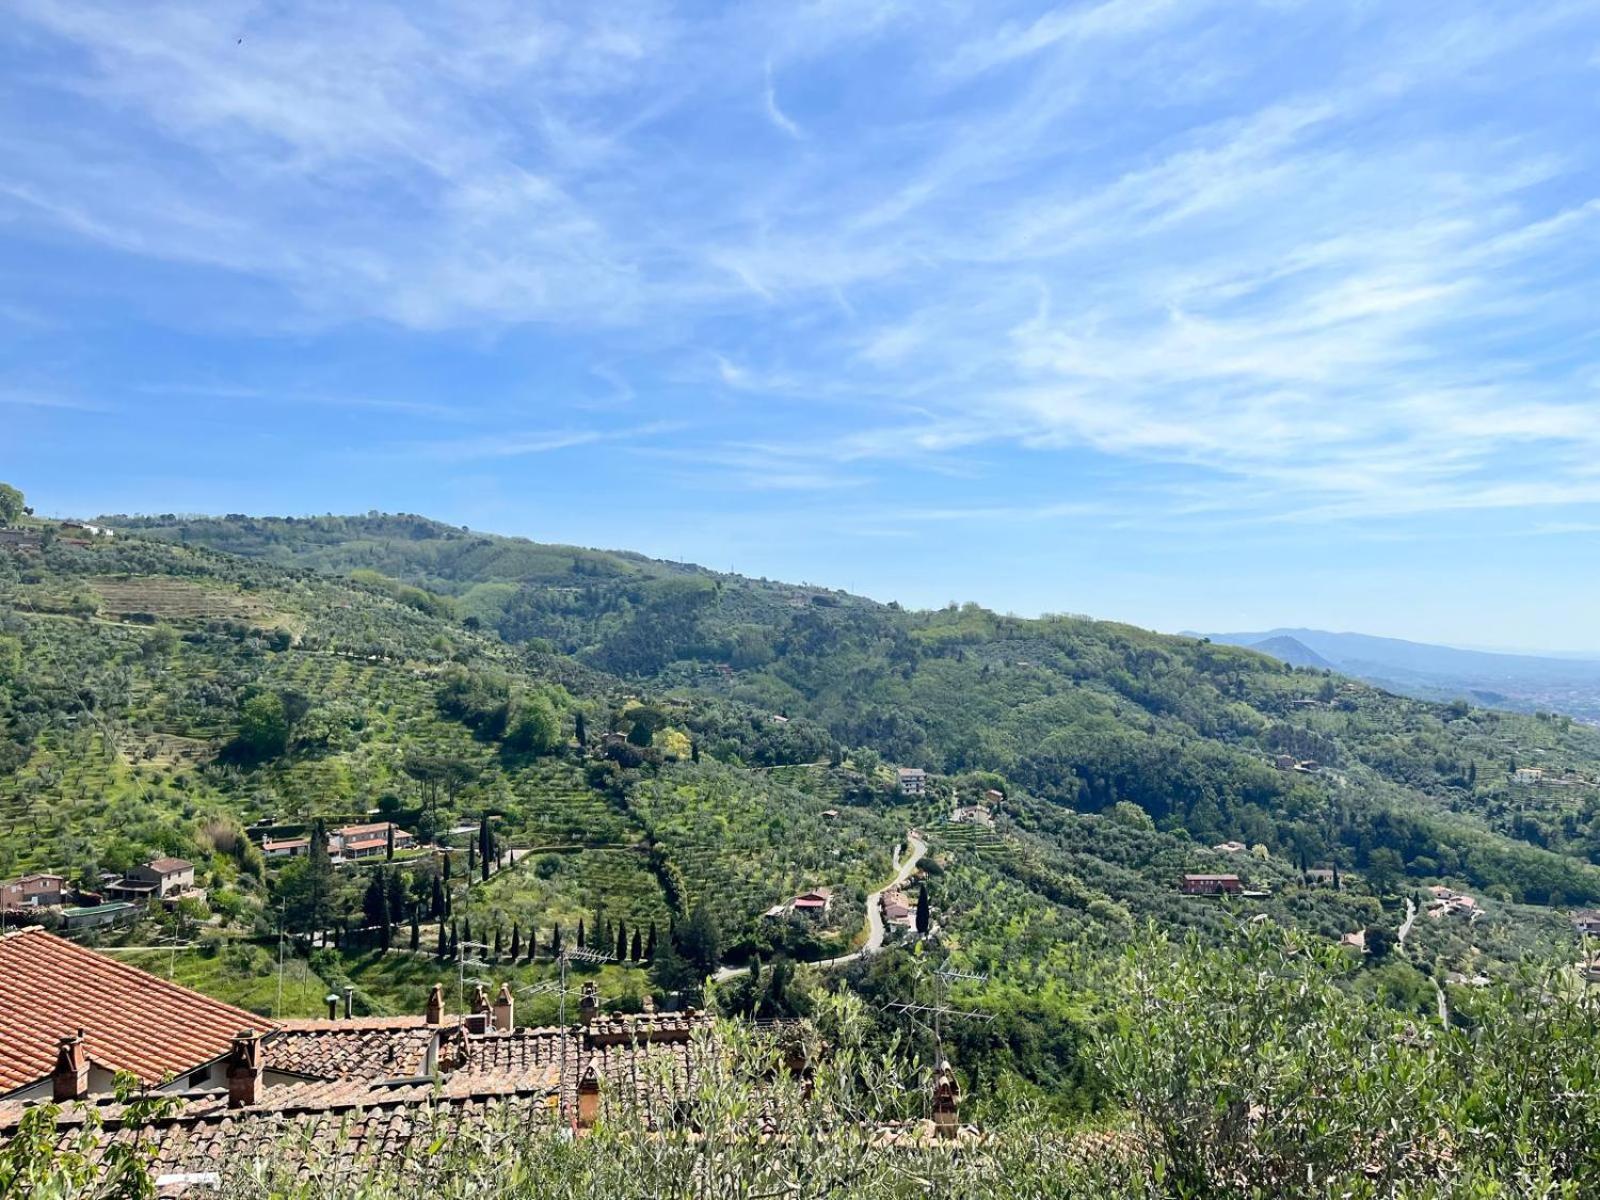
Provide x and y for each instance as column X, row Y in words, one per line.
column 70, row 1080
column 946, row 1097
column 589, row 1096
column 589, row 1004
column 246, row 1070
column 478, row 1019
column 505, row 1010
column 435, row 1014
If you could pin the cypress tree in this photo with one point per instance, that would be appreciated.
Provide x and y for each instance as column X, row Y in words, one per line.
column 397, row 896
column 497, row 943
column 622, row 942
column 555, row 940
column 533, row 941
column 375, row 906
column 650, row 945
column 472, row 859
column 516, row 941
column 436, row 910
column 466, row 928
column 581, row 939
column 582, row 730
column 486, row 854
column 455, row 940
column 388, row 843
column 922, row 909
column 416, row 929
column 444, row 947
column 319, row 878
column 637, row 949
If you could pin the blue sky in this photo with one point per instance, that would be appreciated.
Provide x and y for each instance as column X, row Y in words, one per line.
column 1198, row 315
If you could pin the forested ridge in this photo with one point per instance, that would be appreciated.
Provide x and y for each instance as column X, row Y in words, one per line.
column 1083, row 713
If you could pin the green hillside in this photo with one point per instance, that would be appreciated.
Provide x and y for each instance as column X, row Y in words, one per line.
column 1083, row 713
column 192, row 687
column 133, row 676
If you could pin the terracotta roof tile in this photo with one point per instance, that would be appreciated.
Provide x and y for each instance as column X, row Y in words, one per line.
column 133, row 1021
column 350, row 1052
column 373, row 1113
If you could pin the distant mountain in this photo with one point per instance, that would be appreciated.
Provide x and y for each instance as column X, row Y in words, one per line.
column 1294, row 652
column 1521, row 682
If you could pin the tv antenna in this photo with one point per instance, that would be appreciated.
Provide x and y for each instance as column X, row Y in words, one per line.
column 565, row 960
column 462, row 959
column 932, row 1016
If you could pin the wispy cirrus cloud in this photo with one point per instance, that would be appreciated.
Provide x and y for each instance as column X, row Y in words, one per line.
column 775, row 114
column 1329, row 264
column 522, row 443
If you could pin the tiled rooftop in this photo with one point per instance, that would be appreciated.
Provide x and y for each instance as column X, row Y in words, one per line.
column 356, row 1089
column 351, row 1051
column 133, row 1021
column 343, row 1134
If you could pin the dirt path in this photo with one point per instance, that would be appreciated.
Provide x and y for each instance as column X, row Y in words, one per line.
column 1405, row 926
column 916, row 848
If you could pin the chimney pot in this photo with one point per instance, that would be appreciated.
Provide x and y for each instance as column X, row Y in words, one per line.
column 332, row 1001
column 349, row 1003
column 435, row 1015
column 589, row 1003
column 70, row 1080
column 589, row 1096
column 505, row 1008
column 246, row 1070
column 946, row 1098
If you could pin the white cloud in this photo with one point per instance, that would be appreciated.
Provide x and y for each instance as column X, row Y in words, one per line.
column 775, row 114
column 1354, row 280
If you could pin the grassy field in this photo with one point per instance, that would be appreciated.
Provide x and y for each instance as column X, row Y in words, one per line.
column 551, row 888
column 242, row 974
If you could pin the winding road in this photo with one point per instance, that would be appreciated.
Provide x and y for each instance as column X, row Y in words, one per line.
column 1411, row 919
column 903, row 867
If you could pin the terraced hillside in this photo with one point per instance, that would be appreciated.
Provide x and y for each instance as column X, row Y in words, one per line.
column 122, row 727
column 748, row 757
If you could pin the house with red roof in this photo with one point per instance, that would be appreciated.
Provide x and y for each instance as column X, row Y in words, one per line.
column 817, row 900
column 68, row 1014
column 168, row 875
column 39, row 890
column 368, row 841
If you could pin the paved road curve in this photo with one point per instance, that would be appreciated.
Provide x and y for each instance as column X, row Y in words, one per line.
column 875, row 931
column 1411, row 919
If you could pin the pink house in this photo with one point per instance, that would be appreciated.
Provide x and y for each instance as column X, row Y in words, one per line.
column 39, row 890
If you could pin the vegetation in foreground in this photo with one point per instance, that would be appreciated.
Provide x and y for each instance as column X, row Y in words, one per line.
column 1242, row 1071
